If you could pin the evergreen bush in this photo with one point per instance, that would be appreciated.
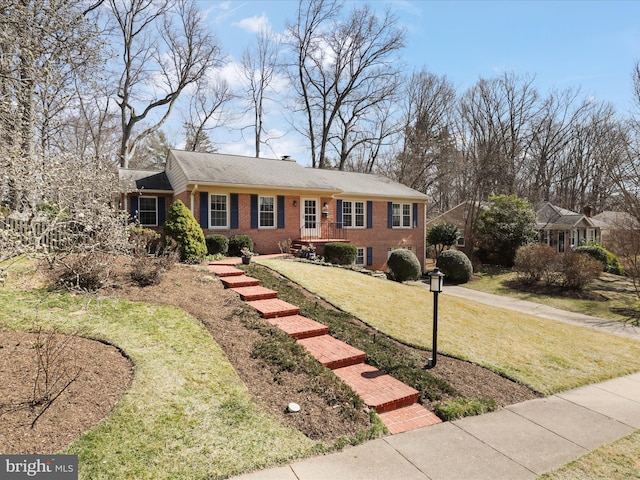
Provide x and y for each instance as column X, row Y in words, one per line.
column 610, row 262
column 185, row 230
column 404, row 265
column 340, row 253
column 237, row 243
column 455, row 265
column 217, row 244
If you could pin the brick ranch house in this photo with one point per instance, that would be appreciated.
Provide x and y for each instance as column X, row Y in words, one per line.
column 278, row 200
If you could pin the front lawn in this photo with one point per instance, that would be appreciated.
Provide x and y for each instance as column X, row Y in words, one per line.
column 548, row 356
column 618, row 292
column 187, row 414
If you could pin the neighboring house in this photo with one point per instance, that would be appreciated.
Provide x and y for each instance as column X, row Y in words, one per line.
column 278, row 200
column 564, row 230
column 611, row 221
column 461, row 216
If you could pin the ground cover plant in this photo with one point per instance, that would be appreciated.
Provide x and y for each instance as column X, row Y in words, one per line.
column 455, row 383
column 547, row 356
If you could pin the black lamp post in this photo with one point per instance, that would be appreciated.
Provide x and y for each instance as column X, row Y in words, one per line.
column 435, row 286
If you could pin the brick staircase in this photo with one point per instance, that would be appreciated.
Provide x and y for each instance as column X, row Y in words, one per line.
column 395, row 402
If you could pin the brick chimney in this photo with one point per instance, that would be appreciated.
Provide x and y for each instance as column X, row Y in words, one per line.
column 587, row 211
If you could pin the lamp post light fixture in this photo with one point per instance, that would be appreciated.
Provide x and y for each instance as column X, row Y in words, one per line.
column 435, row 286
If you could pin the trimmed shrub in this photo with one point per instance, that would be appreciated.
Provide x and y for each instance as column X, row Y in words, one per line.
column 534, row 262
column 237, row 243
column 340, row 253
column 610, row 262
column 578, row 270
column 455, row 265
column 404, row 265
column 217, row 244
column 184, row 229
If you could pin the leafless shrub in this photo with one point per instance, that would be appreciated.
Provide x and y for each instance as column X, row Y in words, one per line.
column 285, row 245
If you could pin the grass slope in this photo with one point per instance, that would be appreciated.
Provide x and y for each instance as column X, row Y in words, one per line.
column 187, row 415
column 548, row 356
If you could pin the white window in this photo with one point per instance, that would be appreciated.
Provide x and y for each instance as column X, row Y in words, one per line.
column 460, row 241
column 267, row 213
column 353, row 214
column 405, row 247
column 360, row 257
column 219, row 212
column 148, row 211
column 574, row 238
column 401, row 215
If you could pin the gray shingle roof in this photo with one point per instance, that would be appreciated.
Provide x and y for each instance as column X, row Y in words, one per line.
column 150, row 180
column 220, row 169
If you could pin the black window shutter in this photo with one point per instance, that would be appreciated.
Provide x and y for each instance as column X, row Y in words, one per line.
column 415, row 215
column 254, row 211
column 369, row 256
column 161, row 210
column 390, row 214
column 369, row 214
column 339, row 213
column 204, row 210
column 280, row 211
column 133, row 207
column 234, row 210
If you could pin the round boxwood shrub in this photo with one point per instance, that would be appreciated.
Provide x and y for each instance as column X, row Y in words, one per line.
column 185, row 230
column 340, row 253
column 610, row 262
column 455, row 265
column 217, row 244
column 404, row 265
column 237, row 243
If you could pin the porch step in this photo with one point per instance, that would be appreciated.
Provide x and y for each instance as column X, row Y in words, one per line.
column 256, row 292
column 331, row 352
column 379, row 391
column 408, row 418
column 299, row 327
column 238, row 281
column 274, row 307
column 225, row 270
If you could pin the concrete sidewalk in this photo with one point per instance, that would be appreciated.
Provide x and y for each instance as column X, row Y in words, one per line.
column 521, row 441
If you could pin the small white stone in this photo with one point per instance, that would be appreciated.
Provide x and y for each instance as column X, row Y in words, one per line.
column 293, row 407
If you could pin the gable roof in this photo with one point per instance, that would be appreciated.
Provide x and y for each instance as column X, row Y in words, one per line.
column 239, row 171
column 146, row 180
column 552, row 216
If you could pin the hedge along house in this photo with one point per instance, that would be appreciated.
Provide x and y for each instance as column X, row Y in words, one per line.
column 274, row 201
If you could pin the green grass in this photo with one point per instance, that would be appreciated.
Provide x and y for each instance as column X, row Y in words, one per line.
column 618, row 460
column 187, row 414
column 548, row 356
column 619, row 290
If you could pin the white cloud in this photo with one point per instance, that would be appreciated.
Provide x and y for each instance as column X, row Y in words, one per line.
column 254, row 24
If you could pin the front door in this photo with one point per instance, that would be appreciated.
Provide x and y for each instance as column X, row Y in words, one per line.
column 309, row 218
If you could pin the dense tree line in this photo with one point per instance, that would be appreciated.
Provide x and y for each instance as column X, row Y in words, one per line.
column 100, row 80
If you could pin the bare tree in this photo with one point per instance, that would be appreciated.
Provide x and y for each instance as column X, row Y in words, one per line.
column 427, row 144
column 260, row 66
column 338, row 65
column 207, row 111
column 164, row 47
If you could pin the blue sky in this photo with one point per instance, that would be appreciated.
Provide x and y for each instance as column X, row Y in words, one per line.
column 586, row 44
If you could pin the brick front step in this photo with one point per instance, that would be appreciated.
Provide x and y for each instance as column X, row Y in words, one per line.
column 225, row 270
column 239, row 281
column 274, row 307
column 408, row 418
column 379, row 391
column 331, row 352
column 299, row 327
column 255, row 293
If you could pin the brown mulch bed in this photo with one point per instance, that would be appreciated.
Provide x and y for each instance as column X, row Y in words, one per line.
column 103, row 375
column 542, row 288
column 107, row 374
